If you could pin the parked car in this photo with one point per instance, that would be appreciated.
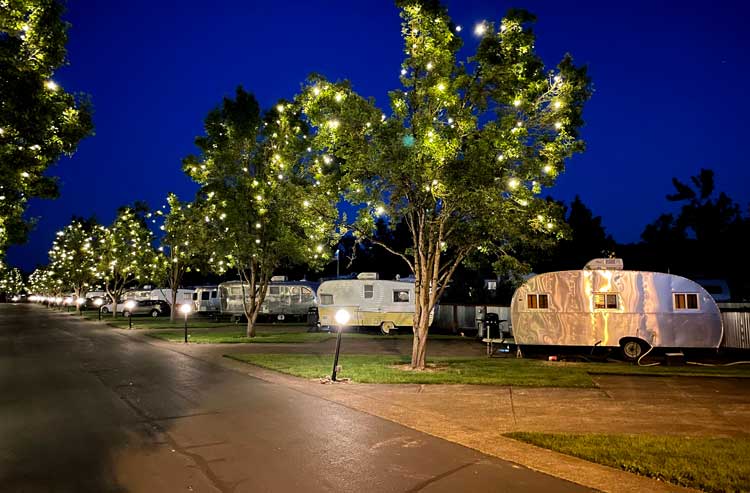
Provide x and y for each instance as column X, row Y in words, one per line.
column 153, row 308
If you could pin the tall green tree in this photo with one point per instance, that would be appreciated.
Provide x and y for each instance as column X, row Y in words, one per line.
column 125, row 253
column 73, row 257
column 465, row 151
column 39, row 120
column 182, row 246
column 11, row 282
column 265, row 198
column 41, row 283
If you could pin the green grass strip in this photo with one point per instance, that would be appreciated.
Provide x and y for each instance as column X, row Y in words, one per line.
column 709, row 464
column 394, row 370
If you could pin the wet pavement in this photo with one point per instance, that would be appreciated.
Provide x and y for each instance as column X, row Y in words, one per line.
column 85, row 408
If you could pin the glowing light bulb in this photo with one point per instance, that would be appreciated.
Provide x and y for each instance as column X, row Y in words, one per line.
column 257, row 225
column 326, row 159
column 557, row 105
column 333, row 124
column 513, row 183
column 380, row 210
column 25, row 174
column 480, row 29
column 51, row 85
column 547, row 169
column 517, row 103
column 257, row 241
column 441, row 87
column 339, row 97
column 316, row 90
column 558, row 125
column 429, row 66
column 458, row 29
column 319, row 248
column 523, row 202
column 519, row 124
column 403, row 71
column 280, row 108
column 500, row 157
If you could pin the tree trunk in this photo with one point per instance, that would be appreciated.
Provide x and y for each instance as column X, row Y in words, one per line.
column 173, row 306
column 251, row 318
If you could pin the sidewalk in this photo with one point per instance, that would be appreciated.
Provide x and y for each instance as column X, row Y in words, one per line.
column 477, row 416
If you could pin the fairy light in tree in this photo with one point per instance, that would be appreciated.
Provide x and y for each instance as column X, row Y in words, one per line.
column 458, row 29
column 558, row 125
column 547, row 169
column 557, row 105
column 441, row 87
column 403, row 71
column 257, row 241
column 429, row 66
column 306, row 203
column 513, row 183
column 480, row 29
column 333, row 124
column 319, row 248
column 51, row 85
column 280, row 108
column 517, row 103
column 380, row 210
column 257, row 225
column 500, row 157
column 339, row 97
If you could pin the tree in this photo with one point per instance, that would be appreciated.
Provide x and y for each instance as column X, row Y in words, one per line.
column 465, row 152
column 42, row 283
column 126, row 255
column 182, row 245
column 39, row 121
column 73, row 258
column 265, row 198
column 11, row 282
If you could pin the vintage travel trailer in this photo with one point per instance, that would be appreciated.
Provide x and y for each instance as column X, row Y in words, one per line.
column 206, row 299
column 284, row 299
column 371, row 302
column 184, row 296
column 607, row 306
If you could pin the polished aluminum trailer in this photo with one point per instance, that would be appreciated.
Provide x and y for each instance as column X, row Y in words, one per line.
column 610, row 307
column 206, row 299
column 371, row 302
column 284, row 299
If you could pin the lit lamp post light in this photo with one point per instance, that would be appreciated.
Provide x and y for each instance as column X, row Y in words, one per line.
column 342, row 317
column 129, row 305
column 98, row 303
column 185, row 309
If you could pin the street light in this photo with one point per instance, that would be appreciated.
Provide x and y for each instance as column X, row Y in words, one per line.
column 342, row 317
column 129, row 305
column 185, row 309
column 99, row 302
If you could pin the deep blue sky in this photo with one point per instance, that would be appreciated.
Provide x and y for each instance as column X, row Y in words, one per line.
column 670, row 91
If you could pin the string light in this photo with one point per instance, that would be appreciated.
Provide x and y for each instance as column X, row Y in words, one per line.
column 547, row 169
column 429, row 66
column 558, row 125
column 280, row 108
column 513, row 183
column 480, row 29
column 333, row 124
column 403, row 71
column 339, row 97
column 458, row 29
column 51, row 85
column 517, row 103
column 557, row 105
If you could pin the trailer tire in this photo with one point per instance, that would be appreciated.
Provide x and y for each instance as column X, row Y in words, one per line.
column 105, row 310
column 155, row 313
column 632, row 349
column 387, row 327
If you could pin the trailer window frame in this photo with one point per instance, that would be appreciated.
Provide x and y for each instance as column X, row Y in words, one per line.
column 686, row 305
column 606, row 306
column 371, row 291
column 326, row 299
column 398, row 298
column 537, row 303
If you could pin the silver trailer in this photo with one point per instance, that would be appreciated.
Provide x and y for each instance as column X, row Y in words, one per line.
column 206, row 299
column 607, row 306
column 284, row 299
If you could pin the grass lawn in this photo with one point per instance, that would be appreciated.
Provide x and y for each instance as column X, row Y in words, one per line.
column 236, row 337
column 468, row 370
column 709, row 464
column 391, row 369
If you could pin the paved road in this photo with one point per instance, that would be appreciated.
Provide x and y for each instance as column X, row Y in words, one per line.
column 83, row 409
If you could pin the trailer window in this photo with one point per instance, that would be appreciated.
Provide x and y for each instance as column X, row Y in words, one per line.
column 326, row 299
column 195, row 296
column 369, row 291
column 273, row 290
column 400, row 296
column 307, row 295
column 686, row 301
column 537, row 301
column 204, row 296
column 213, row 294
column 605, row 301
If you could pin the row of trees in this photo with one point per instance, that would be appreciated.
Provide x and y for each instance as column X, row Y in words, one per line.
column 459, row 162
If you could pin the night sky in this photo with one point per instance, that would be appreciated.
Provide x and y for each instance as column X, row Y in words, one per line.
column 670, row 78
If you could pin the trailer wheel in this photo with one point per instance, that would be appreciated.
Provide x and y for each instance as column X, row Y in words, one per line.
column 155, row 313
column 105, row 310
column 632, row 349
column 387, row 327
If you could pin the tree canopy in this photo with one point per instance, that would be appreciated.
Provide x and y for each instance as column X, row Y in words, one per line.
column 39, row 120
column 465, row 151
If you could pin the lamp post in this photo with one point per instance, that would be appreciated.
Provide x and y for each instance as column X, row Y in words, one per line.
column 342, row 317
column 185, row 309
column 129, row 305
column 99, row 302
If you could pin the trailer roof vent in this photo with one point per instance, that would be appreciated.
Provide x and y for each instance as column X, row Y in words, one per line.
column 369, row 276
column 604, row 264
column 279, row 279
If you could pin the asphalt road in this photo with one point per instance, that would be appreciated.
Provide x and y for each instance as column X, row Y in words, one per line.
column 84, row 409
